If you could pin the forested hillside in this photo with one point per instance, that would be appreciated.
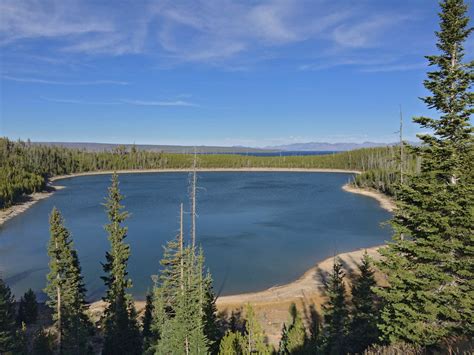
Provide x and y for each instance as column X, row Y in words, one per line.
column 25, row 168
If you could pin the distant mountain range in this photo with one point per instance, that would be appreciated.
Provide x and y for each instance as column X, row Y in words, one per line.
column 325, row 147
column 98, row 147
column 295, row 147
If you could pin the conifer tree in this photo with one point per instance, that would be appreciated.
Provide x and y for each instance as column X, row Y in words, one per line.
column 147, row 321
column 363, row 330
column 430, row 260
column 66, row 290
column 283, row 345
column 294, row 339
column 335, row 312
column 42, row 343
column 8, row 338
column 28, row 308
column 233, row 343
column 254, row 335
column 121, row 331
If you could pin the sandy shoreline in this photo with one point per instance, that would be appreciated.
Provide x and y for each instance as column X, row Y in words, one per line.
column 30, row 200
column 385, row 201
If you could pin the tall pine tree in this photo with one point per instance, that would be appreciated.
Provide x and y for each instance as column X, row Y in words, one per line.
column 121, row 331
column 294, row 339
column 8, row 338
column 363, row 330
column 66, row 291
column 28, row 308
column 430, row 262
column 335, row 313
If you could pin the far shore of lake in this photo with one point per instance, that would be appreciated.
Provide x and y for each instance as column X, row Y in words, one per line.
column 30, row 200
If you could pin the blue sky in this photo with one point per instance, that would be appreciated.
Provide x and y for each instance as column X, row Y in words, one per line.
column 213, row 72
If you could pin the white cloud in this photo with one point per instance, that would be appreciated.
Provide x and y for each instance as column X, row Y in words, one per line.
column 181, row 103
column 55, row 82
column 209, row 31
column 23, row 19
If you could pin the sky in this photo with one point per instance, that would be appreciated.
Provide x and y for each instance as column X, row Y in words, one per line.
column 214, row 72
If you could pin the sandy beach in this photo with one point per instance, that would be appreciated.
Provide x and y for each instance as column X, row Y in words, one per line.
column 385, row 202
column 29, row 201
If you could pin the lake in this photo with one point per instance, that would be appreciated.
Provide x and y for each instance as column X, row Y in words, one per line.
column 258, row 229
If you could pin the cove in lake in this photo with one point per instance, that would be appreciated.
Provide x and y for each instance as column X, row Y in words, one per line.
column 258, row 229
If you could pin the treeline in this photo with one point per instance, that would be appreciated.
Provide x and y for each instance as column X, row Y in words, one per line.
column 25, row 168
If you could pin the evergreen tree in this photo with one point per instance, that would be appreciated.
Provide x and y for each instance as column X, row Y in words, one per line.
column 363, row 330
column 283, row 345
column 254, row 335
column 28, row 308
column 296, row 335
column 429, row 263
column 184, row 332
column 147, row 321
column 121, row 331
column 8, row 339
column 335, row 312
column 42, row 343
column 233, row 343
column 66, row 290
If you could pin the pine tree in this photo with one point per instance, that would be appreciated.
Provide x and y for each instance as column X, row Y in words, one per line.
column 363, row 330
column 66, row 290
column 233, row 343
column 184, row 319
column 28, row 308
column 283, row 345
column 42, row 343
column 8, row 338
column 254, row 335
column 335, row 312
column 429, row 263
column 294, row 339
column 147, row 321
column 121, row 331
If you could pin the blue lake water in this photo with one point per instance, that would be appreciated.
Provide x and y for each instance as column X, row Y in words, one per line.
column 258, row 229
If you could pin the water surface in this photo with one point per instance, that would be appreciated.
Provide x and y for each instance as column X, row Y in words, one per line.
column 258, row 229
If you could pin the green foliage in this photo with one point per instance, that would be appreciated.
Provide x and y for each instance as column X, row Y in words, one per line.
column 336, row 314
column 66, row 290
column 8, row 338
column 430, row 260
column 254, row 335
column 121, row 331
column 294, row 339
column 28, row 308
column 147, row 321
column 233, row 343
column 182, row 321
column 363, row 330
column 42, row 343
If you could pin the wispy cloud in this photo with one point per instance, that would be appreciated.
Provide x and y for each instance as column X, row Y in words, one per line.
column 55, row 82
column 161, row 103
column 395, row 67
column 178, row 103
column 76, row 101
column 225, row 32
column 26, row 19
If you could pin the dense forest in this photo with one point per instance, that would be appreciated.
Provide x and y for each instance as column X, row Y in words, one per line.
column 425, row 306
column 25, row 168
